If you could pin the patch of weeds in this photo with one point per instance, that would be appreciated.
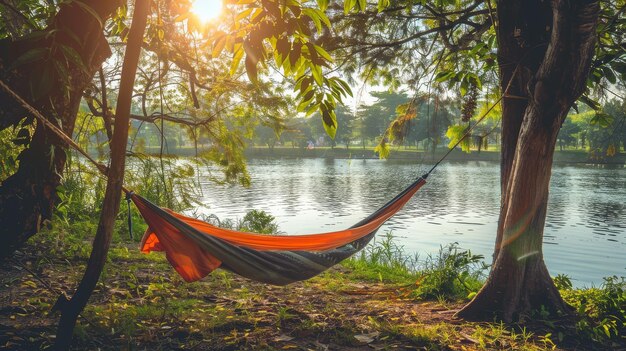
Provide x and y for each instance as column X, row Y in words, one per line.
column 547, row 342
column 491, row 335
column 601, row 311
column 383, row 261
column 562, row 282
column 67, row 241
column 283, row 314
column 329, row 280
column 497, row 336
column 431, row 337
column 224, row 277
column 453, row 274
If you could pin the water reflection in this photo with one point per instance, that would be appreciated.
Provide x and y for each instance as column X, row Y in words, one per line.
column 585, row 229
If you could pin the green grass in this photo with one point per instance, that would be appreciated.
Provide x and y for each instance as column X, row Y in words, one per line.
column 601, row 310
column 383, row 261
column 453, row 274
column 141, row 302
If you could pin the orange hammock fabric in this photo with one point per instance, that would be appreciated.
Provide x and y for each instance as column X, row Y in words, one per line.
column 195, row 248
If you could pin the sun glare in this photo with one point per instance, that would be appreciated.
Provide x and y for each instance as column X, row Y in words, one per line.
column 207, row 10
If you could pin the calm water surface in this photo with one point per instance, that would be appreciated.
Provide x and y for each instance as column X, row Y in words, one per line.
column 585, row 235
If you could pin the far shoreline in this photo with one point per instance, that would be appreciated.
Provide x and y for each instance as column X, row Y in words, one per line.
column 400, row 153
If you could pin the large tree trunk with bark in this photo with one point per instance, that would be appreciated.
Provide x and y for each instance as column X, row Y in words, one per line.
column 545, row 50
column 28, row 196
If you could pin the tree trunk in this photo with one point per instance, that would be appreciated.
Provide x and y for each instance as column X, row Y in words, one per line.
column 519, row 282
column 111, row 203
column 27, row 197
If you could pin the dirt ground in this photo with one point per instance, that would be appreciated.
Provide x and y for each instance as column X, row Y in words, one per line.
column 141, row 304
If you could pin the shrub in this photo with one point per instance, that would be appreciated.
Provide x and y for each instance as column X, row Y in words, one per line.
column 601, row 311
column 256, row 221
column 453, row 273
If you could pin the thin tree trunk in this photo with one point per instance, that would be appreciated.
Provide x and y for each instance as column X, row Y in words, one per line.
column 72, row 308
column 519, row 281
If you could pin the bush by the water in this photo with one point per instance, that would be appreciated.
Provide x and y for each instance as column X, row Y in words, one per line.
column 451, row 274
column 601, row 310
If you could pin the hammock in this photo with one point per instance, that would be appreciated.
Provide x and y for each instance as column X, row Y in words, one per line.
column 195, row 248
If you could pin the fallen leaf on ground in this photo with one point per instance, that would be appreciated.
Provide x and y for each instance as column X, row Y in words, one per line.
column 367, row 338
column 283, row 337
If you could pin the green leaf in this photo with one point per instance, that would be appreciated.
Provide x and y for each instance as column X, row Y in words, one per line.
column 89, row 10
column 590, row 102
column 314, row 17
column 443, row 76
column 348, row 5
column 455, row 133
column 219, row 45
column 303, row 106
column 344, row 85
column 237, row 56
column 602, row 119
column 30, row 56
column 308, row 96
column 476, row 49
column 464, row 86
column 320, row 50
column 382, row 5
column 62, row 72
column 251, row 69
column 472, row 78
column 330, row 122
column 609, row 75
column 283, row 47
column 295, row 54
column 323, row 17
column 382, row 149
column 322, row 4
column 73, row 56
column 305, row 83
column 312, row 109
column 317, row 74
column 243, row 14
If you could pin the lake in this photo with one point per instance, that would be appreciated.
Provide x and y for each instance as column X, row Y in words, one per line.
column 585, row 234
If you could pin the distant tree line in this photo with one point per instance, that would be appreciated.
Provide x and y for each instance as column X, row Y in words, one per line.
column 434, row 122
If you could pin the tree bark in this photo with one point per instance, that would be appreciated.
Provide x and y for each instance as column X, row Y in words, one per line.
column 27, row 197
column 111, row 203
column 519, row 282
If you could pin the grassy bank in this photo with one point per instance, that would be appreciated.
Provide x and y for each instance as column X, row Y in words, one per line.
column 381, row 299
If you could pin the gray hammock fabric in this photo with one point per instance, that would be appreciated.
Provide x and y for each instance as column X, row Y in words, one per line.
column 194, row 248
